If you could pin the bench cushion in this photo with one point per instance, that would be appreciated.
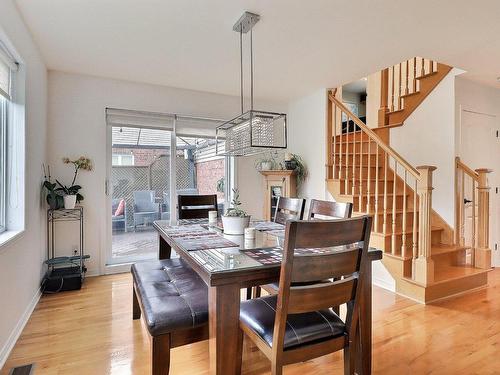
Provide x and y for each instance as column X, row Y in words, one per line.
column 172, row 295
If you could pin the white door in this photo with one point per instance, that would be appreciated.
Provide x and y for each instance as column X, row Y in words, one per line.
column 480, row 148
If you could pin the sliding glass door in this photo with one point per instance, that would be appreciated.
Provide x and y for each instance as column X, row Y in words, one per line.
column 140, row 181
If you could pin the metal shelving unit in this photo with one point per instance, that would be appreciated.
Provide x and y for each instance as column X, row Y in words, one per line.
column 62, row 266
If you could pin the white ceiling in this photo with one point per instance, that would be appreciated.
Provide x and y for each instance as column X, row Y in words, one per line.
column 299, row 45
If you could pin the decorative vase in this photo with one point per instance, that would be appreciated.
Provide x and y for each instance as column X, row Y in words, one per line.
column 69, row 201
column 235, row 225
column 266, row 165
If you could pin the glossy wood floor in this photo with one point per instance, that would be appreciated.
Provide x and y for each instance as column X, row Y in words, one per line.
column 91, row 332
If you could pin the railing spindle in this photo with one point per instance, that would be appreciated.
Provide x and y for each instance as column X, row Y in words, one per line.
column 346, row 167
column 415, row 224
column 384, row 224
column 377, row 163
column 393, row 237
column 403, row 238
column 353, row 179
column 407, row 72
column 414, row 74
column 360, row 182
column 399, row 87
column 341, row 141
column 333, row 124
column 462, row 224
column 369, row 175
column 473, row 233
column 392, row 89
column 422, row 70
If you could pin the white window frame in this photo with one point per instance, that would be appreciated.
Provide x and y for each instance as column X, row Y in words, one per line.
column 4, row 105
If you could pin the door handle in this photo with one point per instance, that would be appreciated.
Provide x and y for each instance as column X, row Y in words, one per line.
column 467, row 201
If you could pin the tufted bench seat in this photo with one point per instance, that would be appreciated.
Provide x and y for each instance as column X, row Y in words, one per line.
column 173, row 300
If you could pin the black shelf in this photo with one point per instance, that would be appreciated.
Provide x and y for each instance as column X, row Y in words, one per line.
column 60, row 268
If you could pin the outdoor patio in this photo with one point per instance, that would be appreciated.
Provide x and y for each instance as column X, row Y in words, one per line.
column 142, row 243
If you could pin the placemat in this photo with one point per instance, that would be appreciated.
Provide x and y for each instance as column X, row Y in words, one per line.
column 203, row 241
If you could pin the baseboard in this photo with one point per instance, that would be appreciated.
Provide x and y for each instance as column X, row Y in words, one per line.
column 18, row 329
column 381, row 283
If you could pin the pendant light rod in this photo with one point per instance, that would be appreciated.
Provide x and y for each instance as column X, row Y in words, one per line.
column 241, row 68
column 251, row 68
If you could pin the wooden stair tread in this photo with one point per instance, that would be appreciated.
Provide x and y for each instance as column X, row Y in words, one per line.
column 446, row 273
column 399, row 232
column 440, row 249
column 410, row 94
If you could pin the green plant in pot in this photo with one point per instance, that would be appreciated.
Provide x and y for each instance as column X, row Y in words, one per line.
column 72, row 192
column 54, row 198
column 267, row 162
column 295, row 163
column 235, row 219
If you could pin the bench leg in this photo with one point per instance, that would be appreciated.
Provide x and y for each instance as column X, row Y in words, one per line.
column 136, row 308
column 160, row 354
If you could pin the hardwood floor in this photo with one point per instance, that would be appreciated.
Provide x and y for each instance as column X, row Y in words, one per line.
column 91, row 332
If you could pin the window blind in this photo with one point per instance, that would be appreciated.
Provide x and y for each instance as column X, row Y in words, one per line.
column 8, row 65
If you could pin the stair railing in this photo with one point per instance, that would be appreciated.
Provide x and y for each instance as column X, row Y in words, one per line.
column 472, row 196
column 400, row 81
column 369, row 169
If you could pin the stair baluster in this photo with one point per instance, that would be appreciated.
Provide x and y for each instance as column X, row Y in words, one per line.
column 403, row 239
column 377, row 163
column 393, row 237
column 368, row 181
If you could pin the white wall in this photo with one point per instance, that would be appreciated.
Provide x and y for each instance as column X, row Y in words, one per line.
column 428, row 138
column 76, row 114
column 306, row 137
column 21, row 259
column 483, row 104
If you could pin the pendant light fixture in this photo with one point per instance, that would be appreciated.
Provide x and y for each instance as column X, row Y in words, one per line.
column 253, row 131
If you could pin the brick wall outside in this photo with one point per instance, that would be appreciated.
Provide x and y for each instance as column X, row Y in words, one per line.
column 142, row 156
column 207, row 175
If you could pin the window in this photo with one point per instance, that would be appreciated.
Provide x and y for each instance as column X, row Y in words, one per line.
column 120, row 160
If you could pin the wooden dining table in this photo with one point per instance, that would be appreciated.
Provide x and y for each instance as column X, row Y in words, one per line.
column 229, row 263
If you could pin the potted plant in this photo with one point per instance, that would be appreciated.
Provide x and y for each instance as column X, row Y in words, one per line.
column 54, row 198
column 235, row 220
column 266, row 163
column 71, row 192
column 295, row 163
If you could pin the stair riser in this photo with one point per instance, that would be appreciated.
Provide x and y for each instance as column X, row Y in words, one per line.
column 364, row 186
column 344, row 172
column 385, row 243
column 349, row 148
column 367, row 159
column 362, row 207
column 399, row 222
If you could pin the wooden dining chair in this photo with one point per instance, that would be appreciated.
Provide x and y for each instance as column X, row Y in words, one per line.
column 299, row 323
column 196, row 206
column 327, row 209
column 289, row 209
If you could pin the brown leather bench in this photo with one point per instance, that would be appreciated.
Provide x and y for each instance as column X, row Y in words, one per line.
column 173, row 300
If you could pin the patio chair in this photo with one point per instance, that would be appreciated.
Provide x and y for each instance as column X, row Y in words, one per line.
column 146, row 210
column 118, row 220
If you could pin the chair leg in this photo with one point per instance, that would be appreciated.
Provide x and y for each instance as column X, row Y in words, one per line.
column 239, row 351
column 160, row 354
column 349, row 360
column 136, row 308
column 256, row 291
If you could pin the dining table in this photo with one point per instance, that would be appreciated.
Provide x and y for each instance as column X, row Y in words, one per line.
column 228, row 263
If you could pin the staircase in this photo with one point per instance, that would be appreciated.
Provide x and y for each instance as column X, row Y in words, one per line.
column 426, row 257
column 405, row 85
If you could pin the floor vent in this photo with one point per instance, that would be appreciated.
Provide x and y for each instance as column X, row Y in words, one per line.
column 23, row 370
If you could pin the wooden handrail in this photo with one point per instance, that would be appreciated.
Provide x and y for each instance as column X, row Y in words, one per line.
column 374, row 137
column 469, row 171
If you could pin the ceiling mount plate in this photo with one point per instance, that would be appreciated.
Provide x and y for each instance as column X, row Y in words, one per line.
column 246, row 22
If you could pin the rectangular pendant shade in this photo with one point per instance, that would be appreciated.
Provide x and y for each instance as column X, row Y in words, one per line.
column 251, row 133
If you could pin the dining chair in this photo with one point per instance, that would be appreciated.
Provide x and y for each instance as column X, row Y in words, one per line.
column 196, row 206
column 328, row 209
column 289, row 209
column 299, row 323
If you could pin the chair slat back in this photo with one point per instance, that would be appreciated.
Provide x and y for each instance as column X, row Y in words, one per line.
column 345, row 262
column 329, row 209
column 196, row 206
column 289, row 209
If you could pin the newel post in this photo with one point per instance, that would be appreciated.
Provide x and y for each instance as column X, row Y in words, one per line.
column 424, row 265
column 384, row 97
column 482, row 254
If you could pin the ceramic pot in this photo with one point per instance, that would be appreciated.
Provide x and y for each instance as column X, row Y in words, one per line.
column 235, row 225
column 69, row 201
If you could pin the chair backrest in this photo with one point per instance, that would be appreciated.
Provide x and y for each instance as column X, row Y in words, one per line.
column 196, row 206
column 345, row 262
column 144, row 201
column 337, row 210
column 289, row 209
